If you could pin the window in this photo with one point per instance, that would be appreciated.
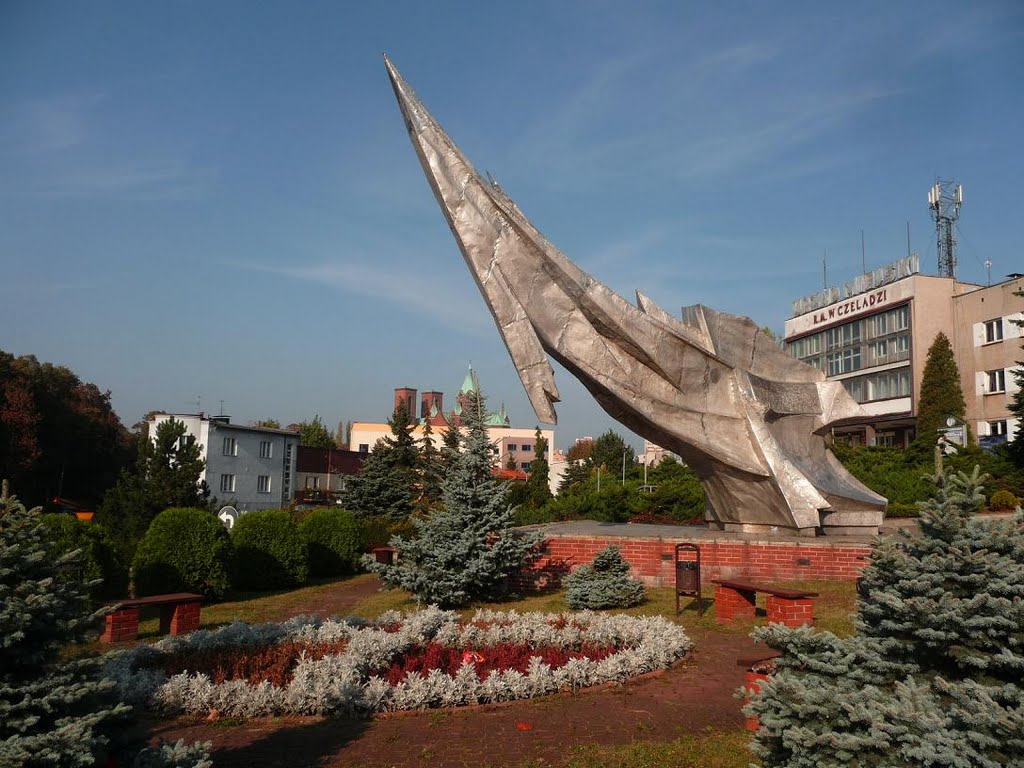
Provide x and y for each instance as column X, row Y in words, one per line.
column 887, row 439
column 525, row 466
column 879, row 386
column 997, row 427
column 313, row 483
column 527, row 447
column 512, row 447
column 844, row 361
column 266, row 449
column 230, row 447
column 364, row 447
column 994, row 330
column 996, row 381
column 263, row 484
column 227, row 483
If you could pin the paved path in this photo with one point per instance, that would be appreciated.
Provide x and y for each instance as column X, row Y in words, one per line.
column 695, row 695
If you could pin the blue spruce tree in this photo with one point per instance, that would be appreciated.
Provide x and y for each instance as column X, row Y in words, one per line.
column 933, row 675
column 52, row 710
column 464, row 551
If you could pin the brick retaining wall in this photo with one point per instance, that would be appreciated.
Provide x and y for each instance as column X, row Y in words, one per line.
column 653, row 559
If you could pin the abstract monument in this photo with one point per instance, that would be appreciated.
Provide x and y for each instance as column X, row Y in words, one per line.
column 748, row 418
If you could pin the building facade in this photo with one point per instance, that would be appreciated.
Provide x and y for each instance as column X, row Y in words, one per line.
column 510, row 444
column 875, row 334
column 247, row 467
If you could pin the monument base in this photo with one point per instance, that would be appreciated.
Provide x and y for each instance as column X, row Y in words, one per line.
column 863, row 522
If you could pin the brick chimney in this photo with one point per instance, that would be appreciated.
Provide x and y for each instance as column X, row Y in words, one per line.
column 406, row 395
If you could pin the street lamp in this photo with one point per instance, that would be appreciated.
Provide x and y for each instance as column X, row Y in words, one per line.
column 624, row 465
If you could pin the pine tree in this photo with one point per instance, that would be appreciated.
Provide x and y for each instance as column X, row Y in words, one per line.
column 610, row 450
column 604, row 583
column 941, row 394
column 388, row 484
column 933, row 675
column 431, row 469
column 574, row 479
column 51, row 709
column 538, row 481
column 466, row 550
column 167, row 474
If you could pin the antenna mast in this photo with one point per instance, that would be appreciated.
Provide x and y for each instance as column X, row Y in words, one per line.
column 944, row 200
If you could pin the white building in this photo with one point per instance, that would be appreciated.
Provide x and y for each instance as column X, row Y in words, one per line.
column 247, row 467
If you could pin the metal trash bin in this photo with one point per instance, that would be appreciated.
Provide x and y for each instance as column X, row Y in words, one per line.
column 688, row 574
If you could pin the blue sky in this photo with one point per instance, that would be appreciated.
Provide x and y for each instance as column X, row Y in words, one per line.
column 220, row 200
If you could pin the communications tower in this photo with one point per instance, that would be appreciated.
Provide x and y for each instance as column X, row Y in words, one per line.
column 944, row 200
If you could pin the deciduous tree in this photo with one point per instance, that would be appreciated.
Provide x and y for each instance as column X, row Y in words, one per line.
column 313, row 434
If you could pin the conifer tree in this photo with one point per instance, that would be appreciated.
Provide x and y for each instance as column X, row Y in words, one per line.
column 466, row 550
column 604, row 583
column 431, row 469
column 933, row 675
column 388, row 483
column 538, row 481
column 167, row 474
column 51, row 709
column 941, row 394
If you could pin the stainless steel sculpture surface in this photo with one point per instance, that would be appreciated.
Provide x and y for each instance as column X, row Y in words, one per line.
column 746, row 416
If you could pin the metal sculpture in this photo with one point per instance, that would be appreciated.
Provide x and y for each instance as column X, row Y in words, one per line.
column 747, row 417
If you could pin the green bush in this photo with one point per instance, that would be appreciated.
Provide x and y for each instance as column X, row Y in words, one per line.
column 605, row 583
column 1004, row 500
column 269, row 551
column 898, row 509
column 66, row 534
column 184, row 550
column 334, row 540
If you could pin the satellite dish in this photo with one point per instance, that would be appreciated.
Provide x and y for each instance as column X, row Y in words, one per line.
column 228, row 515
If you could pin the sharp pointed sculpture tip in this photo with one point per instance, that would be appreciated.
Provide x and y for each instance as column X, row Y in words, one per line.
column 744, row 415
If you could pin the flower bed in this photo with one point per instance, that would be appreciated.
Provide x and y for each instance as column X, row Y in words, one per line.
column 415, row 661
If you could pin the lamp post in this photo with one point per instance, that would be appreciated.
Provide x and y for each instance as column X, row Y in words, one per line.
column 624, row 465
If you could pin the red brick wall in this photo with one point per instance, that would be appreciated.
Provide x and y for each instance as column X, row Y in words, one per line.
column 652, row 559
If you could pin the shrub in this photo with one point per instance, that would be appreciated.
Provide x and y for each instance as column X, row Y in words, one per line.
column 1004, row 500
column 53, row 709
column 96, row 561
column 898, row 509
column 184, row 550
column 334, row 539
column 269, row 551
column 605, row 583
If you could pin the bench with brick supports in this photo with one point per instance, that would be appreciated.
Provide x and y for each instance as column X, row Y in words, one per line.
column 179, row 614
column 737, row 599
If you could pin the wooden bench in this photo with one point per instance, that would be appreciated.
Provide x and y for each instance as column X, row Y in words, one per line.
column 179, row 614
column 737, row 599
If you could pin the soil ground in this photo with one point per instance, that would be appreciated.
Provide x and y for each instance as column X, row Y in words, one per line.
column 694, row 696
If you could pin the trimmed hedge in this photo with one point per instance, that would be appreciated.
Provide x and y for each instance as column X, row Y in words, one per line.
column 184, row 550
column 334, row 541
column 605, row 583
column 269, row 551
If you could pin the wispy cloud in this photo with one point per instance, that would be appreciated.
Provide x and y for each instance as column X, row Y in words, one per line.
column 414, row 291
column 75, row 145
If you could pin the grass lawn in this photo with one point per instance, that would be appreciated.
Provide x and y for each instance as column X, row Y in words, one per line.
column 714, row 749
